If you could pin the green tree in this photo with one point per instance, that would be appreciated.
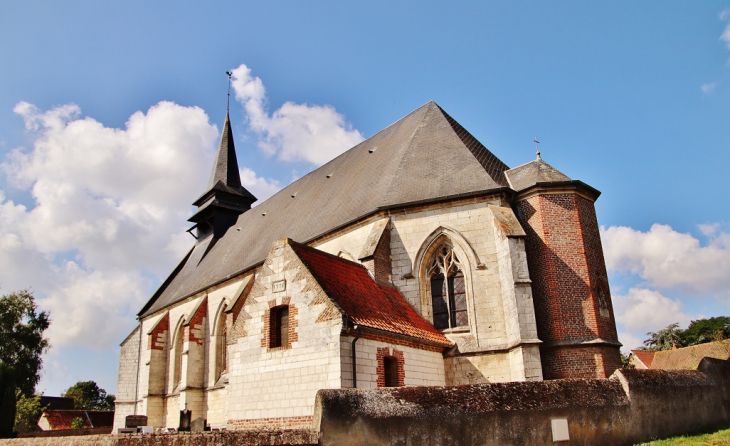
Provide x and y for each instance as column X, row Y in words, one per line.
column 626, row 362
column 665, row 339
column 88, row 395
column 702, row 331
column 77, row 423
column 21, row 338
column 28, row 411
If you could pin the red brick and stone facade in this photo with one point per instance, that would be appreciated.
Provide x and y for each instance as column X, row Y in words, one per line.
column 573, row 306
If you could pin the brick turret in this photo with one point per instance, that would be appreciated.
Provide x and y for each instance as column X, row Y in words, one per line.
column 572, row 299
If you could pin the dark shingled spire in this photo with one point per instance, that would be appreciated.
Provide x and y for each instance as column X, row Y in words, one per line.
column 225, row 198
column 225, row 167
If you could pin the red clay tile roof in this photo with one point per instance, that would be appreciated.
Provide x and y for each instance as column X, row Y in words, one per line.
column 644, row 356
column 62, row 419
column 364, row 300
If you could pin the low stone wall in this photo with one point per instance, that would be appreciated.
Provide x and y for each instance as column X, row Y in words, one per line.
column 68, row 432
column 263, row 437
column 629, row 407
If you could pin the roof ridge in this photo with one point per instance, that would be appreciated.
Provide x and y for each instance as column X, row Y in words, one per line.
column 474, row 145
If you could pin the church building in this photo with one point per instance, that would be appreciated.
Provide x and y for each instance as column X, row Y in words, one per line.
column 416, row 258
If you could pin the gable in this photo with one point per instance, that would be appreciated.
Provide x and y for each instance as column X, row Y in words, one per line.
column 363, row 300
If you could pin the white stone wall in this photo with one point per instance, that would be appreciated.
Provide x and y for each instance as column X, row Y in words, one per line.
column 478, row 369
column 216, row 407
column 127, row 378
column 162, row 410
column 422, row 367
column 283, row 382
column 350, row 241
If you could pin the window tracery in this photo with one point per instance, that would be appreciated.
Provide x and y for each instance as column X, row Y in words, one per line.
column 448, row 290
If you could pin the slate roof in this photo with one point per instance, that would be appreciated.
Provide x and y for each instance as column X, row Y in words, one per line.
column 424, row 156
column 62, row 419
column 688, row 358
column 534, row 172
column 364, row 300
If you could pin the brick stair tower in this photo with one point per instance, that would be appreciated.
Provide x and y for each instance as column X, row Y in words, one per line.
column 572, row 298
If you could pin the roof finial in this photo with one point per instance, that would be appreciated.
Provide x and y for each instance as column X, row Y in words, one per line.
column 537, row 148
column 228, row 104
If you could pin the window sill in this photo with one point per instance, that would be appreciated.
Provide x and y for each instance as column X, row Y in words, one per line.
column 456, row 330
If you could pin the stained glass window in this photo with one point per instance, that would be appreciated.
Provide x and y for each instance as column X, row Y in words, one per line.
column 448, row 291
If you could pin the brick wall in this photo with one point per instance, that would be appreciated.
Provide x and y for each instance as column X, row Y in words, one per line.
column 397, row 355
column 569, row 284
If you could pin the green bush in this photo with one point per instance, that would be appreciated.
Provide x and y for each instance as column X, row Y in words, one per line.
column 77, row 423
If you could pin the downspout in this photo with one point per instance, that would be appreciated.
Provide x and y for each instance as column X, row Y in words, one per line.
column 354, row 357
column 139, row 359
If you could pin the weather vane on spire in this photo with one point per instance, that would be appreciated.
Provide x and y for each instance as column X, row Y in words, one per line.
column 537, row 147
column 228, row 104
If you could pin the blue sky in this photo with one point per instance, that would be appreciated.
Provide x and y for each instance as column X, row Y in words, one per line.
column 110, row 112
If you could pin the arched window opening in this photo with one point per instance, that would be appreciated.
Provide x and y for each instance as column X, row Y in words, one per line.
column 222, row 347
column 177, row 378
column 448, row 290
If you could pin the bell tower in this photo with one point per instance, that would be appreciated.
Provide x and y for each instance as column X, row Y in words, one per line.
column 225, row 198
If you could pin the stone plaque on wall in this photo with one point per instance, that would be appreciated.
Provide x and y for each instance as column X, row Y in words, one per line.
column 279, row 286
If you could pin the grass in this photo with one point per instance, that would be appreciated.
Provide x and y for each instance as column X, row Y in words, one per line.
column 718, row 435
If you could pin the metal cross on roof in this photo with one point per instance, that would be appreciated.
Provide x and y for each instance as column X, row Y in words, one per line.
column 228, row 104
column 537, row 147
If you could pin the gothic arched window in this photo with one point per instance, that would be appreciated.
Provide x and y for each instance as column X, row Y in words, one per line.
column 177, row 377
column 448, row 290
column 222, row 347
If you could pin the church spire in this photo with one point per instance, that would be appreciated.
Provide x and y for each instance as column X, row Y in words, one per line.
column 225, row 166
column 225, row 198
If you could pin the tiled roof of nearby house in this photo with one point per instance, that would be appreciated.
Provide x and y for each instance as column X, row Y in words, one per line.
column 688, row 358
column 62, row 419
column 423, row 157
column 646, row 357
column 364, row 300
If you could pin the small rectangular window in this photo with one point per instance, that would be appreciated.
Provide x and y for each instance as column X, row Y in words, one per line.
column 279, row 327
column 390, row 369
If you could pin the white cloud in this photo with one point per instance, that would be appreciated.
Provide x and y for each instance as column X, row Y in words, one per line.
column 642, row 310
column 109, row 213
column 294, row 132
column 667, row 259
column 630, row 341
column 708, row 87
column 725, row 15
column 709, row 229
column 261, row 188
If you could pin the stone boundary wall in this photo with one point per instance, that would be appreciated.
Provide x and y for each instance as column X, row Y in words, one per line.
column 262, row 437
column 68, row 432
column 629, row 407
